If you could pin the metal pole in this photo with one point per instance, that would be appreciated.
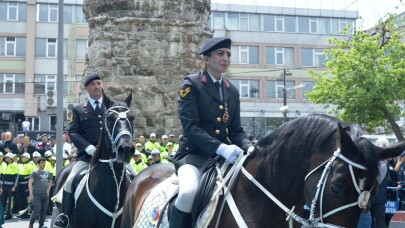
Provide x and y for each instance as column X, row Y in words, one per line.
column 59, row 89
column 284, row 89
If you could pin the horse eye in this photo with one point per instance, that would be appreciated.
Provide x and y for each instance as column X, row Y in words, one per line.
column 337, row 189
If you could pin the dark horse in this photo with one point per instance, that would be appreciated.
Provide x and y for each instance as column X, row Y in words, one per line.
column 314, row 160
column 102, row 197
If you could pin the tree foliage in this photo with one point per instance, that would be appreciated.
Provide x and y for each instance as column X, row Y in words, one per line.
column 365, row 77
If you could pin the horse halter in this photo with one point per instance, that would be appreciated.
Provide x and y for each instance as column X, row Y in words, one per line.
column 312, row 221
column 122, row 115
column 363, row 198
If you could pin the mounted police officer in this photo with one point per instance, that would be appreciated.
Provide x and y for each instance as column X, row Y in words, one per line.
column 84, row 131
column 209, row 111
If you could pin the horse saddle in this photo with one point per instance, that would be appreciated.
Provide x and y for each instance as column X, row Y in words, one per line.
column 78, row 183
column 157, row 208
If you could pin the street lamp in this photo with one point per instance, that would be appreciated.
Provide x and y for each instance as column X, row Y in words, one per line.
column 284, row 74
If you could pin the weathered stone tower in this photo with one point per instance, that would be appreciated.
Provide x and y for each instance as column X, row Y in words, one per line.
column 147, row 46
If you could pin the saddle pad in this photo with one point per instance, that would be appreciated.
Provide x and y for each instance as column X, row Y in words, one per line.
column 157, row 198
column 81, row 185
column 154, row 202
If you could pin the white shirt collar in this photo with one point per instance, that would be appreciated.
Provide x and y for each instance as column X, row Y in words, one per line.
column 214, row 79
column 93, row 100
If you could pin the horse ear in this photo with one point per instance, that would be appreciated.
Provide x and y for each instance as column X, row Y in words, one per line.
column 391, row 151
column 344, row 140
column 106, row 100
column 129, row 99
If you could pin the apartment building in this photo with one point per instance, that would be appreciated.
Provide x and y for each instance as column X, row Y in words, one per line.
column 272, row 50
column 28, row 61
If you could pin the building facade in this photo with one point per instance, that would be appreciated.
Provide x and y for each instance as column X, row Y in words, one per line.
column 28, row 61
column 272, row 50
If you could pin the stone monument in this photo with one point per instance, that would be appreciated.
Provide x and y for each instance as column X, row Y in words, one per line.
column 147, row 46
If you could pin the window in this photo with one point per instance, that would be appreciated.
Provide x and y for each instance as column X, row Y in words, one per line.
column 247, row 88
column 12, row 83
column 47, row 47
column 81, row 48
column 342, row 25
column 279, row 56
column 254, row 22
column 324, row 25
column 274, row 89
column 219, row 20
column 312, row 57
column 233, row 21
column 79, row 17
column 308, row 86
column 34, row 123
column 67, row 13
column 52, row 123
column 303, row 24
column 289, row 23
column 268, row 23
column 313, row 21
column 47, row 12
column 244, row 21
column 43, row 83
column 245, row 54
column 12, row 46
column 12, row 11
column 279, row 23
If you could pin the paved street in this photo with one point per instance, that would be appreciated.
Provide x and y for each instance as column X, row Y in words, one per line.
column 23, row 223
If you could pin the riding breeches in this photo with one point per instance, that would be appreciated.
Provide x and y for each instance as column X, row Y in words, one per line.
column 76, row 168
column 189, row 178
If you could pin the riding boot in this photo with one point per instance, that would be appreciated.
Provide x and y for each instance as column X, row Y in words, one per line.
column 180, row 219
column 62, row 221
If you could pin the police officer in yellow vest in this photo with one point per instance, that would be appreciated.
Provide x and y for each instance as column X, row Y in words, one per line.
column 48, row 165
column 25, row 170
column 36, row 155
column 137, row 162
column 151, row 144
column 10, row 181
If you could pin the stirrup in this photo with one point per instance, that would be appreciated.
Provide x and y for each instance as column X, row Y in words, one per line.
column 59, row 219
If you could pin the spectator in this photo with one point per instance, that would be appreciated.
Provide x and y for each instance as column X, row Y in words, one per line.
column 26, row 146
column 67, row 147
column 151, row 144
column 26, row 125
column 401, row 178
column 39, row 186
column 8, row 145
column 142, row 141
column 44, row 145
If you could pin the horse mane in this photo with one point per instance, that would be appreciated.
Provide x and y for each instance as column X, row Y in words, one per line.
column 293, row 143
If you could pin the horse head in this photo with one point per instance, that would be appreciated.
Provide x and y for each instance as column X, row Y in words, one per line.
column 118, row 130
column 339, row 189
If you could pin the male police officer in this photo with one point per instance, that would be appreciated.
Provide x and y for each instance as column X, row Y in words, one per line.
column 84, row 131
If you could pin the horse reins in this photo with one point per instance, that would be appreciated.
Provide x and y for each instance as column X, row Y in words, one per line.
column 312, row 221
column 121, row 115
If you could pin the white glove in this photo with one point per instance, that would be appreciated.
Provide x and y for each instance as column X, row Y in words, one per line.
column 229, row 152
column 90, row 149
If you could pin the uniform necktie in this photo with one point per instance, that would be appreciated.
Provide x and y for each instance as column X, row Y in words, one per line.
column 219, row 87
column 97, row 109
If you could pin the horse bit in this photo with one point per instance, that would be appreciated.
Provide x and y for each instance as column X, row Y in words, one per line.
column 121, row 115
column 312, row 221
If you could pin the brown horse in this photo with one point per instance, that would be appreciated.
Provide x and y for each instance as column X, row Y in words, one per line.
column 311, row 160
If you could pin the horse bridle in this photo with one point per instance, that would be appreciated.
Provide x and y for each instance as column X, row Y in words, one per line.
column 114, row 141
column 114, row 147
column 312, row 221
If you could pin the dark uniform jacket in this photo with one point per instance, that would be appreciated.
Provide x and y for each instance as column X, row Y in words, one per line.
column 206, row 120
column 85, row 128
column 10, row 145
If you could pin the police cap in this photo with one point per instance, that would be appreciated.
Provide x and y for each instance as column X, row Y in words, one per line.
column 214, row 44
column 91, row 77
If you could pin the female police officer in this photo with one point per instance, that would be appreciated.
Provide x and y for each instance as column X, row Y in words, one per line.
column 209, row 111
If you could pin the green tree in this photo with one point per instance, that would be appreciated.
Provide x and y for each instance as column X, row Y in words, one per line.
column 365, row 77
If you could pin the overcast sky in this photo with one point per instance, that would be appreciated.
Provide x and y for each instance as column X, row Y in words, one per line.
column 369, row 10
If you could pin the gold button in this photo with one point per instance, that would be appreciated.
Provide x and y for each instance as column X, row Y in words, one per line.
column 221, row 107
column 217, row 132
column 219, row 119
column 99, row 116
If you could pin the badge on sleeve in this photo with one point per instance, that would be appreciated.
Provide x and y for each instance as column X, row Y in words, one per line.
column 185, row 91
